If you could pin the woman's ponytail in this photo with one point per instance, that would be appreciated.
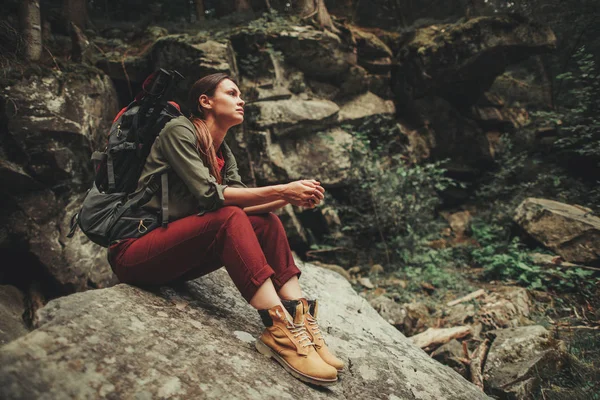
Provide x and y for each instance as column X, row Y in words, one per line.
column 206, row 85
column 206, row 147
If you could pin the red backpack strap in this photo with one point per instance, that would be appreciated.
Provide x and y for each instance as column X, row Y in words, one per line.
column 119, row 114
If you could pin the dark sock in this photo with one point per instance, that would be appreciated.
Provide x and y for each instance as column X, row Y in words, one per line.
column 266, row 318
column 311, row 307
column 290, row 306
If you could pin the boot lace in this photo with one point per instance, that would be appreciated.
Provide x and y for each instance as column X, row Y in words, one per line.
column 314, row 326
column 299, row 331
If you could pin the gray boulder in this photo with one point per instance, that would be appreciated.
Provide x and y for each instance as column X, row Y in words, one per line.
column 293, row 116
column 365, row 106
column 319, row 54
column 196, row 341
column 450, row 354
column 312, row 156
column 519, row 359
column 12, row 307
column 54, row 120
column 53, row 124
column 571, row 231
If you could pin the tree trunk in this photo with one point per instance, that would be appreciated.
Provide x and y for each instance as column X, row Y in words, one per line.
column 305, row 8
column 242, row 5
column 318, row 10
column 323, row 18
column 75, row 11
column 31, row 29
column 199, row 10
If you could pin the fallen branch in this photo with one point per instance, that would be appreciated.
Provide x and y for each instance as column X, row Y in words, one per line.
column 593, row 328
column 470, row 296
column 545, row 260
column 433, row 336
column 477, row 362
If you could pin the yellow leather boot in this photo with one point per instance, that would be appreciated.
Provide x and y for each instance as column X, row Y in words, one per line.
column 311, row 309
column 288, row 342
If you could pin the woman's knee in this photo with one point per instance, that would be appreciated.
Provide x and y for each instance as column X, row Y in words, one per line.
column 271, row 219
column 233, row 217
column 268, row 222
column 229, row 212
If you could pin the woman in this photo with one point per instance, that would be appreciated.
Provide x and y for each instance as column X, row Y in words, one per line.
column 218, row 221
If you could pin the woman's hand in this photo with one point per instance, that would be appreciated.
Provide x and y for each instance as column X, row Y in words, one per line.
column 304, row 193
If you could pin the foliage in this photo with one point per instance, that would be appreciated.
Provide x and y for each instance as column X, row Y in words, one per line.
column 577, row 115
column 502, row 258
column 393, row 202
column 522, row 173
column 507, row 258
column 435, row 266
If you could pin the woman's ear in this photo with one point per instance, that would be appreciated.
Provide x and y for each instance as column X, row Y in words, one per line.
column 204, row 101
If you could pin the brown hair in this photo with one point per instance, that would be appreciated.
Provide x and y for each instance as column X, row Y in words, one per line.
column 206, row 85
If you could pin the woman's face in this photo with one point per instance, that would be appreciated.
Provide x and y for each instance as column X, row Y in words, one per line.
column 225, row 105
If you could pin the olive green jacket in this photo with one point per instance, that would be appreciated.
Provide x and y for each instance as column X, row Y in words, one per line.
column 192, row 190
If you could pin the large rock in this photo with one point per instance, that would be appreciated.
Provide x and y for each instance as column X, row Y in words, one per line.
column 293, row 116
column 55, row 120
column 320, row 54
column 12, row 307
column 53, row 124
column 519, row 359
column 197, row 342
column 283, row 134
column 365, row 106
column 193, row 57
column 506, row 307
column 376, row 58
column 460, row 61
column 450, row 354
column 282, row 159
column 321, row 148
column 13, row 176
column 573, row 232
column 85, row 263
column 408, row 318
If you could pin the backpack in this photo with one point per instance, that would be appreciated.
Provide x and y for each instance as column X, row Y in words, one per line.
column 109, row 211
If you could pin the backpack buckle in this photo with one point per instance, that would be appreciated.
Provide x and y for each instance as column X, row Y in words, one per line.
column 141, row 227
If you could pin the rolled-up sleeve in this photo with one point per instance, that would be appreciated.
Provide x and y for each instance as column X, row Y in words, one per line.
column 178, row 145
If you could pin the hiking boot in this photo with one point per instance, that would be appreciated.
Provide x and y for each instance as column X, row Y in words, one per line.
column 287, row 341
column 311, row 308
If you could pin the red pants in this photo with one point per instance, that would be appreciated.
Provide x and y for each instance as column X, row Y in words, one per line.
column 252, row 248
